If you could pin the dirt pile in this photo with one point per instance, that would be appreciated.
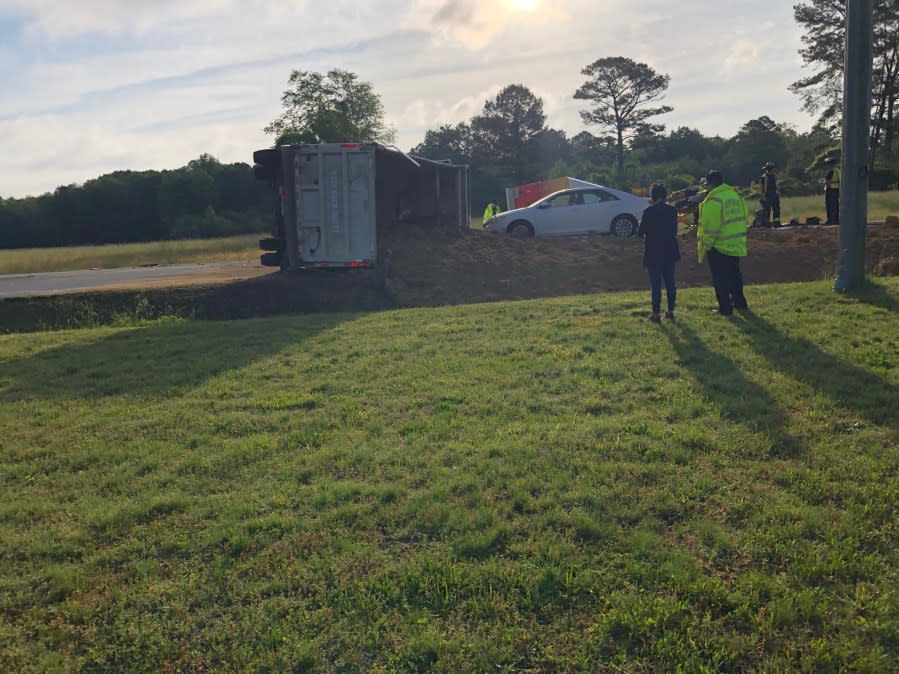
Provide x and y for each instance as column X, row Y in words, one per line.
column 431, row 267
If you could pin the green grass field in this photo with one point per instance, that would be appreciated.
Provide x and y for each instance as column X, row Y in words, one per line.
column 543, row 486
column 30, row 260
column 880, row 205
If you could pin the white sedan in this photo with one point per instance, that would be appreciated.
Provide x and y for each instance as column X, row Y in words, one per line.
column 602, row 210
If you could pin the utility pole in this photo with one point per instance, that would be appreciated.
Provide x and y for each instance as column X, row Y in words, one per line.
column 858, row 65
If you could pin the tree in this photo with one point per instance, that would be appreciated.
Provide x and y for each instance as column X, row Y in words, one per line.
column 824, row 22
column 185, row 191
column 330, row 108
column 505, row 134
column 621, row 90
column 206, row 162
column 447, row 142
column 758, row 141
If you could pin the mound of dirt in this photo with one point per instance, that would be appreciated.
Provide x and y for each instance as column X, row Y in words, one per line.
column 431, row 267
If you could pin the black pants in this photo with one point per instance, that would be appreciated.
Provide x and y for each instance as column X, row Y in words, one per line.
column 771, row 206
column 728, row 281
column 832, row 204
column 658, row 273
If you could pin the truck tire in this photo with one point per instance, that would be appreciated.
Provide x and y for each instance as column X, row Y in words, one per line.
column 270, row 259
column 267, row 156
column 271, row 243
column 265, row 171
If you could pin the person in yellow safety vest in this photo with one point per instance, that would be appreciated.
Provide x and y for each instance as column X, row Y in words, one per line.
column 721, row 236
column 832, row 192
column 491, row 210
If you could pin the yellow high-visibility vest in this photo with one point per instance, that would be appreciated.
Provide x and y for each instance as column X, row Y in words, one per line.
column 834, row 183
column 723, row 223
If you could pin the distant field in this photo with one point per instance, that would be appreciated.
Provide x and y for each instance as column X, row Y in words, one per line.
column 29, row 260
column 880, row 205
column 554, row 485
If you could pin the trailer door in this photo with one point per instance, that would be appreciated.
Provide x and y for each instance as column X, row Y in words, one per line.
column 335, row 205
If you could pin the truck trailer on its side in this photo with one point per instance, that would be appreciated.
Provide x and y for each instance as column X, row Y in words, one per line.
column 337, row 202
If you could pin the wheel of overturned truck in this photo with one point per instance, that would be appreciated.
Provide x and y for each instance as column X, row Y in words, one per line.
column 271, row 259
column 521, row 229
column 624, row 225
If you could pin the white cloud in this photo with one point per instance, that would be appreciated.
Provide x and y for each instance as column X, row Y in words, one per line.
column 474, row 23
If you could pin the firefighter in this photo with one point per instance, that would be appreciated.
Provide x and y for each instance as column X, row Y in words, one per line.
column 770, row 196
column 832, row 191
column 721, row 235
column 491, row 210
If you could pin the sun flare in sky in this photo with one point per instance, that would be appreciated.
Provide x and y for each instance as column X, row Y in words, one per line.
column 523, row 5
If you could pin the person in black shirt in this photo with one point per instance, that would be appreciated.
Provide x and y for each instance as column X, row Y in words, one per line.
column 770, row 196
column 832, row 192
column 659, row 227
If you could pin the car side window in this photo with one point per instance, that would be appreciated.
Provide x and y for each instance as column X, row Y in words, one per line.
column 565, row 200
column 597, row 197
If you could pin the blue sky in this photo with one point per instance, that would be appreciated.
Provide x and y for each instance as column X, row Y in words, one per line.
column 94, row 86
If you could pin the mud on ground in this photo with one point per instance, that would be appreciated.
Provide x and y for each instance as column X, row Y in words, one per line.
column 431, row 267
column 444, row 268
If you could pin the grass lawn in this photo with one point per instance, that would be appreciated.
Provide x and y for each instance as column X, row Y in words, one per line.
column 549, row 486
column 30, row 260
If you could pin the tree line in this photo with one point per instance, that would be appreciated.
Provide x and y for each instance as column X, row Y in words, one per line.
column 205, row 198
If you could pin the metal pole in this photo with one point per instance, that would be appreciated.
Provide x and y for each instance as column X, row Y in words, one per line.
column 858, row 65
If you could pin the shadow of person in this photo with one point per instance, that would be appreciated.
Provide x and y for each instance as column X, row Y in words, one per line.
column 741, row 400
column 848, row 386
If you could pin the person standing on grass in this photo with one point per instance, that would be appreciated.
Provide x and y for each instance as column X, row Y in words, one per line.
column 721, row 235
column 770, row 195
column 832, row 192
column 661, row 252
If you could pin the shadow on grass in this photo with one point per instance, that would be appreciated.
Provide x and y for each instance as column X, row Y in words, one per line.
column 849, row 386
column 878, row 295
column 741, row 400
column 159, row 359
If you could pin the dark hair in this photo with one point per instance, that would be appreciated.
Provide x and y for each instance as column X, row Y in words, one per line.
column 714, row 178
column 658, row 192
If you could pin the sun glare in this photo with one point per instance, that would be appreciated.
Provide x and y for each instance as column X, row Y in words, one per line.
column 524, row 5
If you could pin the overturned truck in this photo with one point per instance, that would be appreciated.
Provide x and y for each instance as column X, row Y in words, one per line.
column 337, row 202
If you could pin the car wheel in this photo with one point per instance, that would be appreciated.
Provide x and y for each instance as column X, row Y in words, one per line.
column 624, row 225
column 521, row 229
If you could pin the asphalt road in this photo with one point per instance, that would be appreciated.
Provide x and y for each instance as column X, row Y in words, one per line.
column 52, row 283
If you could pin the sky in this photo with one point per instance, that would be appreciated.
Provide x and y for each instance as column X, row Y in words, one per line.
column 95, row 86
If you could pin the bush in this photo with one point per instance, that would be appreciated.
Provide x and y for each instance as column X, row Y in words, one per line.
column 883, row 179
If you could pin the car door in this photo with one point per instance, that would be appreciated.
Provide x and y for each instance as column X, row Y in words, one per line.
column 600, row 208
column 560, row 214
